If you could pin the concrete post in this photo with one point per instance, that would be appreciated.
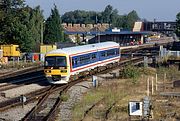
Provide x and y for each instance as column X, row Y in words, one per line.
column 148, row 87
column 152, row 85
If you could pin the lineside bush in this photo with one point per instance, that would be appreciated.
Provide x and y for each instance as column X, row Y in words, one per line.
column 132, row 72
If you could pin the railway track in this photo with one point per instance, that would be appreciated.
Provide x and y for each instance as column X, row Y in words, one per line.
column 43, row 94
column 12, row 74
column 49, row 116
column 32, row 96
column 18, row 81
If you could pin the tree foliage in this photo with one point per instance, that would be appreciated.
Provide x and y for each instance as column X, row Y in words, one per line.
column 20, row 24
column 178, row 24
column 53, row 29
column 109, row 15
column 131, row 18
column 79, row 16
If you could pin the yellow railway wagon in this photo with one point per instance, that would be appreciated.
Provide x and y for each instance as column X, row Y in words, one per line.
column 46, row 48
column 10, row 50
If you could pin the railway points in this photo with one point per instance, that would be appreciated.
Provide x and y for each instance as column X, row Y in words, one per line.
column 22, row 90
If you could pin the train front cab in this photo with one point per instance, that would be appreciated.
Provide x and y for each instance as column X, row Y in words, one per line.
column 56, row 68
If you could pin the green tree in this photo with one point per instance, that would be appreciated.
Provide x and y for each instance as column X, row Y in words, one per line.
column 106, row 14
column 20, row 24
column 53, row 29
column 114, row 17
column 9, row 10
column 131, row 18
column 36, row 25
column 178, row 24
column 120, row 22
column 79, row 16
column 68, row 17
column 109, row 15
column 33, row 20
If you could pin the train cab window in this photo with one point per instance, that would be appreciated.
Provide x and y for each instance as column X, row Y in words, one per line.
column 50, row 61
column 61, row 61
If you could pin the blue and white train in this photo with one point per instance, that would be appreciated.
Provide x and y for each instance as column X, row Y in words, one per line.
column 62, row 64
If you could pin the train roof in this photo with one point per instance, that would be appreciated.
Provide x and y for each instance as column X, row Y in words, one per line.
column 84, row 48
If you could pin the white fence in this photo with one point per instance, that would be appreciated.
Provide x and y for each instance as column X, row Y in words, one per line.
column 164, row 53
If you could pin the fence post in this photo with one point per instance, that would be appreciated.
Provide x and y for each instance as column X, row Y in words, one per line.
column 152, row 86
column 156, row 83
column 148, row 87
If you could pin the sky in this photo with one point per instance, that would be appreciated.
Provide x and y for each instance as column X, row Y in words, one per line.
column 160, row 10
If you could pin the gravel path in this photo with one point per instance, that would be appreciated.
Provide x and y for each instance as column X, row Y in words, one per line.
column 16, row 114
column 75, row 95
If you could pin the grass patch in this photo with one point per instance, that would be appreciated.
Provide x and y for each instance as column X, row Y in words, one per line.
column 170, row 74
column 64, row 97
column 112, row 92
column 89, row 99
column 132, row 72
column 19, row 65
column 122, row 91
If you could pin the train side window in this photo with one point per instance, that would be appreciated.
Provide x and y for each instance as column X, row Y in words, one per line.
column 74, row 61
column 111, row 52
column 103, row 54
column 84, row 59
column 93, row 56
column 81, row 59
column 117, row 51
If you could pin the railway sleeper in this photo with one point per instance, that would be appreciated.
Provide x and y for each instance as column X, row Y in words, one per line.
column 91, row 72
column 95, row 69
column 73, row 77
column 102, row 68
column 84, row 73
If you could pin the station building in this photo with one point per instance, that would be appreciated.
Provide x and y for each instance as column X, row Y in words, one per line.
column 165, row 27
column 102, row 32
column 123, row 37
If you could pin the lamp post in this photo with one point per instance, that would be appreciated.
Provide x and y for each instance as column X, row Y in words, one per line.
column 41, row 26
column 97, row 31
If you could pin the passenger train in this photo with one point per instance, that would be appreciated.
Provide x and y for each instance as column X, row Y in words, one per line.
column 62, row 64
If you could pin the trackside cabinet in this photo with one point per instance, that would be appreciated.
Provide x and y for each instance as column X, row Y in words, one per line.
column 46, row 48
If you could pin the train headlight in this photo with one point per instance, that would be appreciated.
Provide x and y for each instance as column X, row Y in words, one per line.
column 63, row 71
column 48, row 71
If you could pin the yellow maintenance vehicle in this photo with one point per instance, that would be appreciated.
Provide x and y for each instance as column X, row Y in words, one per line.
column 10, row 50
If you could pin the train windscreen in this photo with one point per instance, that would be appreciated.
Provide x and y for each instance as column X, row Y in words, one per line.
column 55, row 61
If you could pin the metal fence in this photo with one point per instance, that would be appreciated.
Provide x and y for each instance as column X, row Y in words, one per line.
column 164, row 52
